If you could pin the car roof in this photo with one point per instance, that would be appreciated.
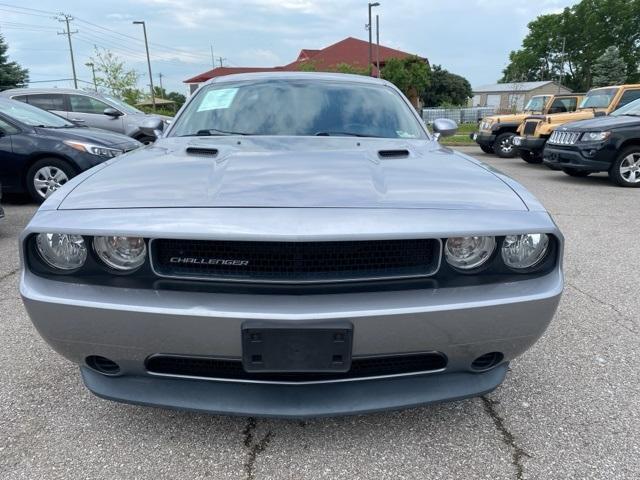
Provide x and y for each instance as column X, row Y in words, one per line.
column 340, row 77
column 27, row 91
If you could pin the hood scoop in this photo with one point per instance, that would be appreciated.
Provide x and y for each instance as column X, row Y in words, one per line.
column 402, row 153
column 203, row 151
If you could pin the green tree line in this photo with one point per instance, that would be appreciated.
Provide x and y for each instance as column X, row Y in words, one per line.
column 586, row 30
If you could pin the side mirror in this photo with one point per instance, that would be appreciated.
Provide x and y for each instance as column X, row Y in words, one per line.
column 112, row 112
column 443, row 127
column 152, row 127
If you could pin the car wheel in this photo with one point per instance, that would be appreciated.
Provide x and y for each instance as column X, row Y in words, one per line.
column 625, row 171
column 529, row 156
column 46, row 176
column 503, row 146
column 146, row 140
column 574, row 172
column 486, row 149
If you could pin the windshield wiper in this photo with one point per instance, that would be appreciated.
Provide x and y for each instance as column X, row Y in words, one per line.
column 214, row 131
column 341, row 134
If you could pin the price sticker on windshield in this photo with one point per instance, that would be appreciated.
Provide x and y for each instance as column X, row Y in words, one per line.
column 217, row 99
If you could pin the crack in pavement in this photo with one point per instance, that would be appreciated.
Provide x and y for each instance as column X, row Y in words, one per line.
column 9, row 274
column 611, row 306
column 254, row 448
column 507, row 437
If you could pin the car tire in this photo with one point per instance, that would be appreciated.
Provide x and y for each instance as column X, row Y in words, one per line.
column 503, row 146
column 529, row 156
column 486, row 149
column 574, row 172
column 625, row 171
column 147, row 140
column 47, row 175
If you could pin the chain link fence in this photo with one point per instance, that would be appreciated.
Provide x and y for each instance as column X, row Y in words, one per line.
column 459, row 115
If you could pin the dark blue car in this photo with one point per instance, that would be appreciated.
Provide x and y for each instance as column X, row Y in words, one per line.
column 40, row 151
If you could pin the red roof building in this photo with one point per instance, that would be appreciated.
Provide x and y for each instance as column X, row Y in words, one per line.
column 350, row 51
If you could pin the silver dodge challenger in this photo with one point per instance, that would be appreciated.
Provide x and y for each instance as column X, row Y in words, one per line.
column 296, row 245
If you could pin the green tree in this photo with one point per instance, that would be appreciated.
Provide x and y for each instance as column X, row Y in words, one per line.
column 12, row 75
column 176, row 97
column 411, row 75
column 609, row 68
column 446, row 89
column 586, row 30
column 112, row 75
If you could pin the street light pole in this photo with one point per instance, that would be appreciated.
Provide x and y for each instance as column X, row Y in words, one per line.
column 93, row 72
column 378, row 44
column 370, row 28
column 146, row 46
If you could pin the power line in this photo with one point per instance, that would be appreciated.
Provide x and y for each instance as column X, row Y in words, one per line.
column 27, row 8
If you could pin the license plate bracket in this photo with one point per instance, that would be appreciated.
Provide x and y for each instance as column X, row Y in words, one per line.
column 282, row 348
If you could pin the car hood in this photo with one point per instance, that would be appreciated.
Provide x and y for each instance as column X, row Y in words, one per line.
column 602, row 123
column 94, row 135
column 293, row 172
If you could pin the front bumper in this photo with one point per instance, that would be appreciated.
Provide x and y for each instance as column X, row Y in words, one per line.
column 531, row 144
column 483, row 138
column 558, row 158
column 291, row 401
column 127, row 326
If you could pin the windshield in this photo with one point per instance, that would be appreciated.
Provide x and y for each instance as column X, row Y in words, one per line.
column 536, row 104
column 632, row 108
column 122, row 105
column 600, row 98
column 299, row 108
column 32, row 116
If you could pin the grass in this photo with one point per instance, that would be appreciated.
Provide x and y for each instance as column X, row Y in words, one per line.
column 462, row 137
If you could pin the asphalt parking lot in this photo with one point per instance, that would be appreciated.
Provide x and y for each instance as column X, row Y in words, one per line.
column 569, row 407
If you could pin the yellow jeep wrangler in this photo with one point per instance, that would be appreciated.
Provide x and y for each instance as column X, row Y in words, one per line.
column 536, row 129
column 495, row 132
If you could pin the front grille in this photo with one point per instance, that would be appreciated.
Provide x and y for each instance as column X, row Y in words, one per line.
column 205, row 367
column 564, row 137
column 295, row 262
column 530, row 127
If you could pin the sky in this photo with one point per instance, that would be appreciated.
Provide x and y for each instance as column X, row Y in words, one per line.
column 472, row 38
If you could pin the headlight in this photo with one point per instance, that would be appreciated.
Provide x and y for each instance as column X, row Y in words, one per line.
column 62, row 250
column 524, row 251
column 467, row 253
column 594, row 136
column 97, row 150
column 121, row 253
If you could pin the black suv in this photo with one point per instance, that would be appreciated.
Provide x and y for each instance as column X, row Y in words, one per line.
column 602, row 144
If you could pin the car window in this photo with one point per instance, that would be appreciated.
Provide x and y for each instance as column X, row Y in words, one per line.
column 47, row 101
column 32, row 116
column 84, row 104
column 21, row 98
column 122, row 105
column 7, row 128
column 599, row 98
column 562, row 105
column 299, row 108
column 628, row 97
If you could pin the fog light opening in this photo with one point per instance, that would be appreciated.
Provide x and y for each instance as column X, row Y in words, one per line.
column 487, row 361
column 103, row 365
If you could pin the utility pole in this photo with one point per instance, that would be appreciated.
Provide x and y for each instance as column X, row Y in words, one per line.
column 220, row 59
column 378, row 44
column 161, row 89
column 213, row 59
column 146, row 46
column 564, row 44
column 370, row 28
column 93, row 72
column 67, row 18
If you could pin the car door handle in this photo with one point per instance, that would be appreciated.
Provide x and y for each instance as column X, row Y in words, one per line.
column 78, row 120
